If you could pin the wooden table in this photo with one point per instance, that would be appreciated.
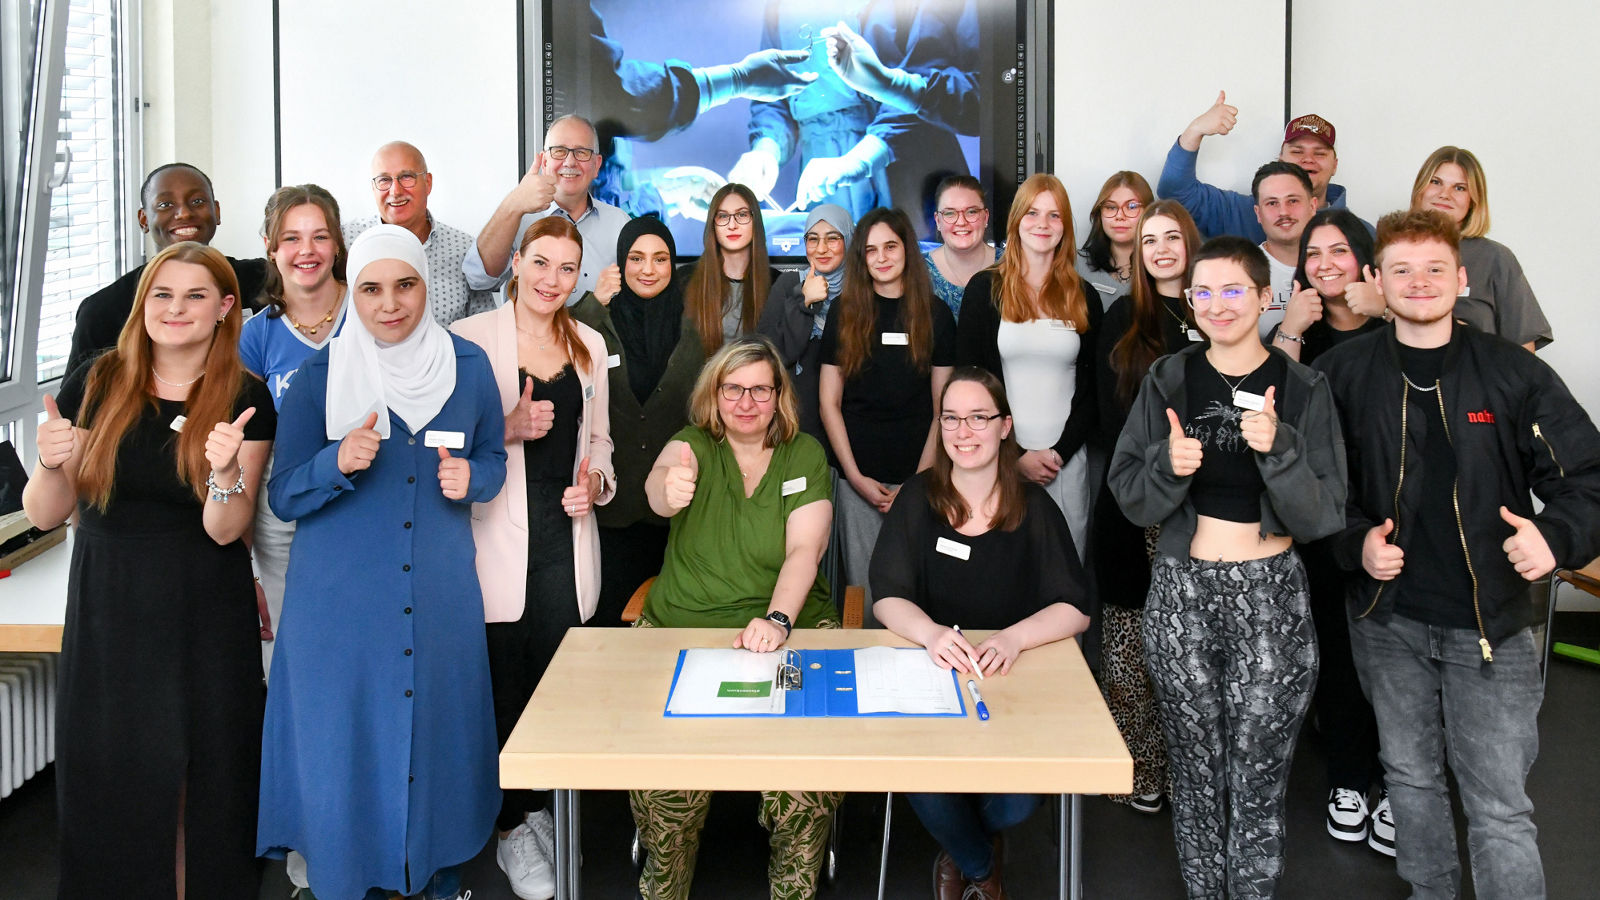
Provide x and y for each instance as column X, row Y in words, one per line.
column 596, row 722
column 33, row 601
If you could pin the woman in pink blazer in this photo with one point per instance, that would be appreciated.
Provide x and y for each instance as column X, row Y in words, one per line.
column 538, row 550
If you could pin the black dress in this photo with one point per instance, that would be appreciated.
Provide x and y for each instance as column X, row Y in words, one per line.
column 160, row 686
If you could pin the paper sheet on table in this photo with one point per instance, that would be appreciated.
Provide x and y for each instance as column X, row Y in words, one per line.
column 727, row 682
column 903, row 680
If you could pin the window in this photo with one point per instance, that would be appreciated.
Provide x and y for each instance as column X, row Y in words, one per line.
column 83, row 249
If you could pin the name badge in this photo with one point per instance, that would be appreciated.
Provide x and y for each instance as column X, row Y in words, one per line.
column 1194, row 336
column 1466, row 291
column 614, row 360
column 177, row 423
column 953, row 548
column 1106, row 289
column 896, row 339
column 1058, row 325
column 588, row 392
column 450, row 440
column 794, row 486
column 1247, row 400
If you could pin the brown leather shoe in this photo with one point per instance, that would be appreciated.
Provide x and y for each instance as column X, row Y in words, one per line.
column 990, row 888
column 948, row 884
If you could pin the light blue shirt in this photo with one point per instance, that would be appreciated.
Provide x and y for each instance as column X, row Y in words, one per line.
column 600, row 226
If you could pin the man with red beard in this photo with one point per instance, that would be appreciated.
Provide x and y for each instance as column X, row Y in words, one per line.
column 1448, row 430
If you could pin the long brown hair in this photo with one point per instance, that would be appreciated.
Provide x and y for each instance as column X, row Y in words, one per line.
column 857, row 305
column 121, row 385
column 1143, row 343
column 1096, row 250
column 707, row 290
column 279, row 204
column 565, row 325
column 1061, row 295
column 1012, row 500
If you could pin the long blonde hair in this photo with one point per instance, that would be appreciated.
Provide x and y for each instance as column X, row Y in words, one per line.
column 1476, row 224
column 121, row 384
column 1061, row 295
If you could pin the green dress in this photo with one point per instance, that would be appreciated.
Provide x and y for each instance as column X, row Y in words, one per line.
column 724, row 550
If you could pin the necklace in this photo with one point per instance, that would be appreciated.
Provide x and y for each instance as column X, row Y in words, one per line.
column 1183, row 327
column 543, row 342
column 1417, row 387
column 315, row 325
column 176, row 384
column 1233, row 387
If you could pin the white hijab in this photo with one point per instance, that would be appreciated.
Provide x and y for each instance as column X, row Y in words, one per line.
column 411, row 379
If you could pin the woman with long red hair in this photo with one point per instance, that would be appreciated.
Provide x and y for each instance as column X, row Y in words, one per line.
column 1027, row 321
column 159, row 446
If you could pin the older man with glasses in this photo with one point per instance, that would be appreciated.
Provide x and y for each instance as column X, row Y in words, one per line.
column 557, row 184
column 401, row 184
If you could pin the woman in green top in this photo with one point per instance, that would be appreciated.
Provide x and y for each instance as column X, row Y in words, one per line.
column 749, row 499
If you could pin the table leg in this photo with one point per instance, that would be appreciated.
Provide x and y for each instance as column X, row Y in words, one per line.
column 575, row 857
column 566, row 861
column 1077, row 847
column 883, row 860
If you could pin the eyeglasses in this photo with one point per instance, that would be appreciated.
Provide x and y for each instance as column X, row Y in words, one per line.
column 1130, row 209
column 733, row 393
column 834, row 240
column 1232, row 296
column 742, row 217
column 408, row 180
column 975, row 421
column 971, row 214
column 581, row 154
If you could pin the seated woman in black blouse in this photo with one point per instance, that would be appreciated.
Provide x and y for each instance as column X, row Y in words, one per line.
column 970, row 542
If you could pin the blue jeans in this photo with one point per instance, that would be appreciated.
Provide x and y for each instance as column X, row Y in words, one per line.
column 965, row 824
column 1434, row 695
column 444, row 885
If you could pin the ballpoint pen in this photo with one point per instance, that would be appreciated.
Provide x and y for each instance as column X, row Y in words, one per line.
column 977, row 700
column 970, row 657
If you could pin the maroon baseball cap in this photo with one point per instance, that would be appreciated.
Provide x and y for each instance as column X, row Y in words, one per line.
column 1309, row 125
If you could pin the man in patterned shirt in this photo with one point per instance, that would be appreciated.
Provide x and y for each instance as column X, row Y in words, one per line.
column 401, row 184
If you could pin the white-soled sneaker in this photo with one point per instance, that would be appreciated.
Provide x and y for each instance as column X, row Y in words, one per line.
column 1381, row 836
column 1347, row 815
column 525, row 865
column 294, row 865
column 543, row 826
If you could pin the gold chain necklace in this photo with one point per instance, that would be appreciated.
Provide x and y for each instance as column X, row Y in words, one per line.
column 313, row 327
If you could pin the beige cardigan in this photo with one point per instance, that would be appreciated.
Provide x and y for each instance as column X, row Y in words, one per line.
column 500, row 527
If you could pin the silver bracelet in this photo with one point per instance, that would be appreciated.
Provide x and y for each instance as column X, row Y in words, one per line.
column 1292, row 337
column 220, row 495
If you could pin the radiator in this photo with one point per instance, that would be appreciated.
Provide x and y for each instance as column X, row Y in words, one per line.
column 27, row 717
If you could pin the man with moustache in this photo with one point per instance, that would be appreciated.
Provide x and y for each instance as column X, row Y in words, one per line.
column 176, row 204
column 557, row 185
column 1307, row 142
column 401, row 184
column 1448, row 429
column 1284, row 204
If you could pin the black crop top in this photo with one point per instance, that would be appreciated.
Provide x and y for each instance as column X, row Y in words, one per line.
column 1228, row 483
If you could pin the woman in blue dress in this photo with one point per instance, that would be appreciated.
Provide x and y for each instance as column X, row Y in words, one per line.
column 378, row 754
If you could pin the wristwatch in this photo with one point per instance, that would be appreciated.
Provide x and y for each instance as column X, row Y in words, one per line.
column 781, row 619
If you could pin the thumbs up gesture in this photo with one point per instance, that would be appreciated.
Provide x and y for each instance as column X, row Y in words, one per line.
column 1381, row 559
column 57, row 439
column 222, row 447
column 454, row 475
column 1365, row 297
column 1526, row 548
column 1303, row 309
column 360, row 446
column 1184, row 451
column 813, row 288
column 680, row 479
column 1219, row 119
column 608, row 285
column 578, row 500
column 530, row 419
column 1261, row 428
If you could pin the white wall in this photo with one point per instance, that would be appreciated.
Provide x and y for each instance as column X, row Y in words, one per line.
column 1130, row 77
column 1510, row 82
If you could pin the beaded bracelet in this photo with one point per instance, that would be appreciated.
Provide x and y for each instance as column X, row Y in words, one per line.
column 220, row 495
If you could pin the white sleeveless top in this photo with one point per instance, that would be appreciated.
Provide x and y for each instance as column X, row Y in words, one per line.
column 1039, row 358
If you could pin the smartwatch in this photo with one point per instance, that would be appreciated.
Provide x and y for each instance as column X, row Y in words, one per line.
column 781, row 619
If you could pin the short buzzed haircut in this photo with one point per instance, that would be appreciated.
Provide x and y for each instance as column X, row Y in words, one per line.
column 1278, row 167
column 144, row 189
column 1236, row 249
column 1415, row 225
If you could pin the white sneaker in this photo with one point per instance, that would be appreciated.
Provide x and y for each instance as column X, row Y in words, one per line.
column 1347, row 815
column 1381, row 837
column 543, row 826
column 295, row 865
column 525, row 865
